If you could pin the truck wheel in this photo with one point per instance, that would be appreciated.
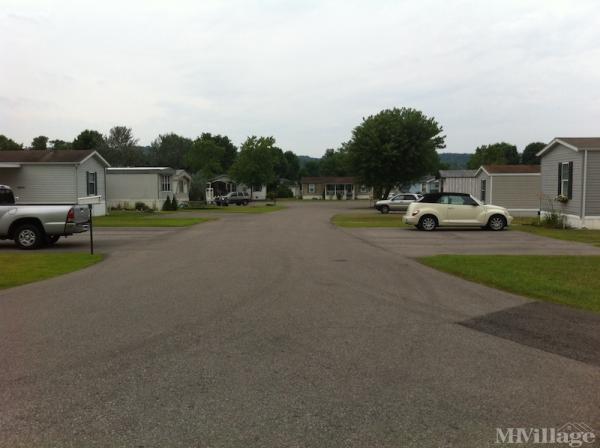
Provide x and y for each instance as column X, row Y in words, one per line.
column 28, row 236
column 52, row 239
column 245, row 202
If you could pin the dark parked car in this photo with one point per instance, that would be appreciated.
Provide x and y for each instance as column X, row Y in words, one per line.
column 235, row 197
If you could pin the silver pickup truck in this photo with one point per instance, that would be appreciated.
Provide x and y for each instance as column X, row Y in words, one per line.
column 32, row 226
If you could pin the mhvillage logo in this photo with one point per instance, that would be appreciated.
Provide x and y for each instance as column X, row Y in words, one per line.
column 571, row 434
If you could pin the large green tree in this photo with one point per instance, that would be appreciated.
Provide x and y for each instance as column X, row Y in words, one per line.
column 394, row 147
column 206, row 157
column 89, row 139
column 7, row 144
column 121, row 148
column 255, row 164
column 40, row 143
column 61, row 144
column 170, row 150
column 335, row 162
column 529, row 153
column 292, row 166
column 495, row 154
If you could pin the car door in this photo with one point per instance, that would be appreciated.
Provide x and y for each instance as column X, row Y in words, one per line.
column 396, row 202
column 7, row 203
column 463, row 210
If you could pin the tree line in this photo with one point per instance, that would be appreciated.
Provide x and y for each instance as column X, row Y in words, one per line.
column 395, row 147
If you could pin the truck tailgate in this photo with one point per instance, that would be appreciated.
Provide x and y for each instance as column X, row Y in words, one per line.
column 82, row 214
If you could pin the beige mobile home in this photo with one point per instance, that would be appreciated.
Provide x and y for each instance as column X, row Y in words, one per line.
column 515, row 187
column 150, row 185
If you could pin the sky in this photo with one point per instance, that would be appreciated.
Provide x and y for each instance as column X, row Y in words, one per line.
column 304, row 71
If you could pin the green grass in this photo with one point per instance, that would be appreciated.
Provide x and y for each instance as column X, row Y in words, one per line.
column 239, row 209
column 578, row 235
column 368, row 220
column 18, row 269
column 140, row 219
column 568, row 280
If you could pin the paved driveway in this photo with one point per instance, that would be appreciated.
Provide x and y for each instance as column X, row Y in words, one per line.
column 282, row 330
column 411, row 242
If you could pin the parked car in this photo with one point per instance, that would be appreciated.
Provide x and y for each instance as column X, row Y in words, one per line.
column 399, row 202
column 235, row 197
column 455, row 210
column 32, row 226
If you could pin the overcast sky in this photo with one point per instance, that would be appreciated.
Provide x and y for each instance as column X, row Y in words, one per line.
column 303, row 71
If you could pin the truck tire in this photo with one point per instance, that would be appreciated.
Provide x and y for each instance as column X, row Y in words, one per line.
column 28, row 237
column 52, row 239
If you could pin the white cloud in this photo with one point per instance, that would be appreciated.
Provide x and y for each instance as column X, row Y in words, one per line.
column 305, row 72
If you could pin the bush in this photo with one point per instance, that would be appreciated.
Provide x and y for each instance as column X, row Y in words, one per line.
column 174, row 204
column 141, row 206
column 283, row 191
column 167, row 204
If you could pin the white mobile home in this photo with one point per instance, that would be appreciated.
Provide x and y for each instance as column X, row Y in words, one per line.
column 459, row 181
column 55, row 177
column 150, row 185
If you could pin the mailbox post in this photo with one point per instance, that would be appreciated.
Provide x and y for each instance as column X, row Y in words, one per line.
column 90, row 201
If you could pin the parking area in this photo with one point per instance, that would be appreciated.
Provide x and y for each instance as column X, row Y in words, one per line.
column 411, row 242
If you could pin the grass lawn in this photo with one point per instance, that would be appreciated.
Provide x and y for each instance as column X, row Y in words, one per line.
column 238, row 209
column 368, row 220
column 18, row 269
column 568, row 280
column 139, row 219
column 578, row 235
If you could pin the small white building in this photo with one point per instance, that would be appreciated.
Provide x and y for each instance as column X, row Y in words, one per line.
column 459, row 181
column 151, row 185
column 55, row 177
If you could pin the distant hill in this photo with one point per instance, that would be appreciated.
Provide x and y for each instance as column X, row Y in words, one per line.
column 455, row 161
column 305, row 159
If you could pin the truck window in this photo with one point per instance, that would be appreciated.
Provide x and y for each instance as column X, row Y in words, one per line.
column 6, row 197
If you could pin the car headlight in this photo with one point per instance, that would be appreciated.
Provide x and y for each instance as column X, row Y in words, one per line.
column 415, row 212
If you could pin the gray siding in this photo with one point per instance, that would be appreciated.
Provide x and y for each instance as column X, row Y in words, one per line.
column 468, row 185
column 92, row 165
column 549, row 166
column 125, row 189
column 482, row 176
column 592, row 194
column 516, row 191
column 42, row 183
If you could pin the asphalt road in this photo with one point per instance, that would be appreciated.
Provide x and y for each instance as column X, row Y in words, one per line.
column 281, row 330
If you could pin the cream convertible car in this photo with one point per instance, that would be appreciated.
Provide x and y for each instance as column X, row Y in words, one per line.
column 455, row 210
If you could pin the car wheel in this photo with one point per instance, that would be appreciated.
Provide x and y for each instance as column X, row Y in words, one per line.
column 428, row 223
column 497, row 222
column 384, row 209
column 52, row 239
column 28, row 236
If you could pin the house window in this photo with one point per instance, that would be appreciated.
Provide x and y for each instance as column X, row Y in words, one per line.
column 92, row 183
column 483, row 189
column 165, row 183
column 312, row 188
column 566, row 171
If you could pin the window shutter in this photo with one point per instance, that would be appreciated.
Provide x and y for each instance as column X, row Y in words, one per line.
column 559, row 178
column 570, row 195
column 87, row 183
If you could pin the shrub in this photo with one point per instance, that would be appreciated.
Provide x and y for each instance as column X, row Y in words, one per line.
column 283, row 191
column 167, row 204
column 174, row 204
column 141, row 206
